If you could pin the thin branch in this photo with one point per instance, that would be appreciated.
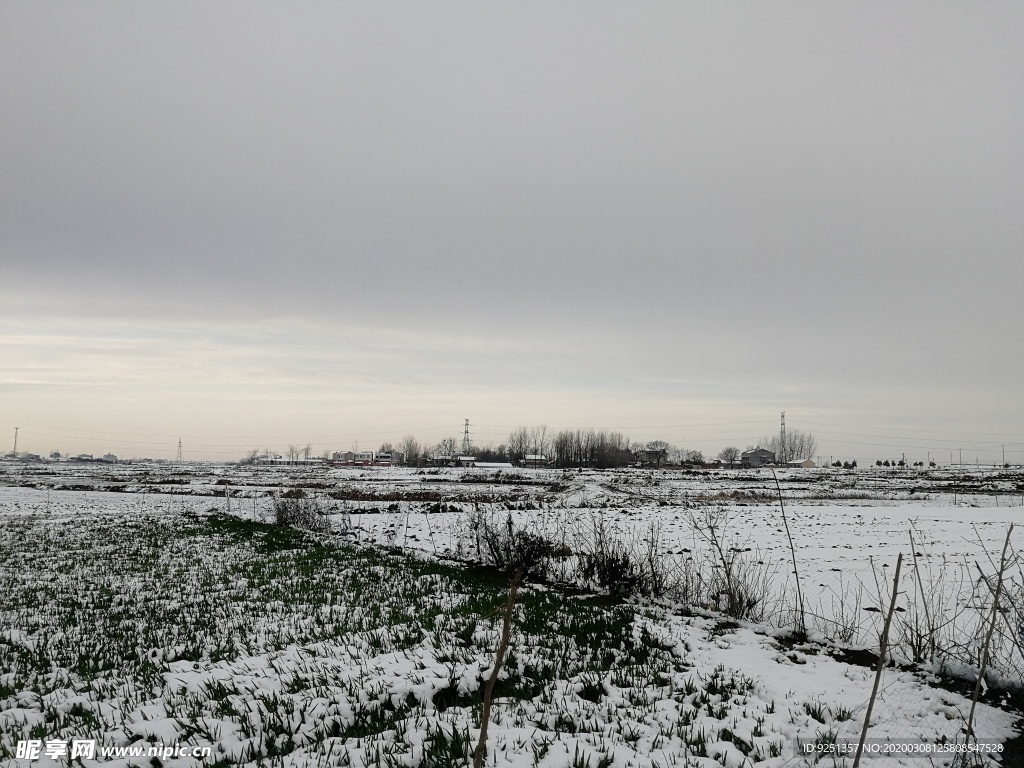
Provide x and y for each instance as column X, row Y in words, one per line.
column 792, row 550
column 882, row 647
column 499, row 659
column 924, row 599
column 991, row 628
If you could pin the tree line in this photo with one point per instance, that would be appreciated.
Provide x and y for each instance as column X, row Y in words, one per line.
column 569, row 448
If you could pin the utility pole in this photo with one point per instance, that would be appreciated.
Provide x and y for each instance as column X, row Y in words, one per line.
column 782, row 440
column 14, row 452
column 960, row 461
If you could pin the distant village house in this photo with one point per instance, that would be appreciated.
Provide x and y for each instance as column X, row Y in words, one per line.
column 757, row 457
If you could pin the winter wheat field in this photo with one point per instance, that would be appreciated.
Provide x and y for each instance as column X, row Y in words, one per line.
column 215, row 615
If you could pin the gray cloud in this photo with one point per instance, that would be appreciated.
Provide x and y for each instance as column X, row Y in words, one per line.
column 822, row 201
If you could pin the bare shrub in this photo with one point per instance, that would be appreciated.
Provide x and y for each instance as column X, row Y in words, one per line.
column 658, row 575
column 937, row 601
column 607, row 561
column 612, row 568
column 841, row 623
column 944, row 621
column 295, row 511
column 678, row 576
column 687, row 584
column 638, row 563
column 510, row 548
column 999, row 595
column 739, row 583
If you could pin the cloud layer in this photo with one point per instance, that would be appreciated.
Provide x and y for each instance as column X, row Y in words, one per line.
column 647, row 213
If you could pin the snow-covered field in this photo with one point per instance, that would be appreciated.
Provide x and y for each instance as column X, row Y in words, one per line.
column 133, row 614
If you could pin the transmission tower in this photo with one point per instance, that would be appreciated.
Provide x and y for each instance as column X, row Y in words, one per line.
column 179, row 451
column 466, row 448
column 782, row 440
column 14, row 452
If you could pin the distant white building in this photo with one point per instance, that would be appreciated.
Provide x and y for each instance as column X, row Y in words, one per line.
column 805, row 463
column 110, row 457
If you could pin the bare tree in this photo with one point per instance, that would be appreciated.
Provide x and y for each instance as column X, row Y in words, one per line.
column 386, row 447
column 491, row 452
column 730, row 455
column 519, row 443
column 539, row 439
column 592, row 448
column 799, row 445
column 447, row 447
column 252, row 456
column 293, row 453
column 410, row 448
column 307, row 451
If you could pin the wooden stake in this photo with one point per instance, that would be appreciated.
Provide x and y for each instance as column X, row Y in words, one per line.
column 883, row 645
column 499, row 659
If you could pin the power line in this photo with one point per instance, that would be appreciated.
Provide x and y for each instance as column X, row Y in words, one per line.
column 959, row 435
column 930, row 441
column 221, row 445
column 57, row 432
column 98, row 434
column 663, row 426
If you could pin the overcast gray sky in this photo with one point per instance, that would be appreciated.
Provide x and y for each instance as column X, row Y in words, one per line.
column 256, row 223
